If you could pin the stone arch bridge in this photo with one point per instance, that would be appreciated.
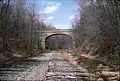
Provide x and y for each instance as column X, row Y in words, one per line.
column 48, row 33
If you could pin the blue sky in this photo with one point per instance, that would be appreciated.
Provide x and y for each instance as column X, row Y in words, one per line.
column 59, row 13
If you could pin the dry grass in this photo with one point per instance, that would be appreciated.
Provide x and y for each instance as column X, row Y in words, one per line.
column 73, row 60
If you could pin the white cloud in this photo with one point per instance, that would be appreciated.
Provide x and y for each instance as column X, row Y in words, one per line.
column 49, row 18
column 52, row 8
column 71, row 17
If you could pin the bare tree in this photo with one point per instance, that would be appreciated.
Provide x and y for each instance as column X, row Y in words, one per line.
column 20, row 27
column 99, row 25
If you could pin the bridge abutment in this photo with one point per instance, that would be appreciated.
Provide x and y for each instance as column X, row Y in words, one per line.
column 43, row 44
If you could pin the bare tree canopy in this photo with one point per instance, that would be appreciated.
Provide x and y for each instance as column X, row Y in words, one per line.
column 20, row 27
column 98, row 23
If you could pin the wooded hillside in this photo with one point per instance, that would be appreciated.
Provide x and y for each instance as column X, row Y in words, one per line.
column 20, row 28
column 98, row 24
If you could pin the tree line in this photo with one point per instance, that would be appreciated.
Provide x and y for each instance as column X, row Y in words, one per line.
column 97, row 28
column 21, row 28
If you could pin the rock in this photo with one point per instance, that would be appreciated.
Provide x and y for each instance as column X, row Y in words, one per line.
column 112, row 78
column 100, row 79
column 99, row 68
column 110, row 74
column 106, row 68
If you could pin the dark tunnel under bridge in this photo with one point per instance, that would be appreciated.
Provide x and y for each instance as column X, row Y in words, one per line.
column 58, row 41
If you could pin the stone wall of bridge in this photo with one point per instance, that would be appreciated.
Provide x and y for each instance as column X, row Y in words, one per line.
column 48, row 33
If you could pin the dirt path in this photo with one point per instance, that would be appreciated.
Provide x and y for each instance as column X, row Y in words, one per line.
column 49, row 67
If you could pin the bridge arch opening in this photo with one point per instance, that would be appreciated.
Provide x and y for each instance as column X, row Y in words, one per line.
column 58, row 41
